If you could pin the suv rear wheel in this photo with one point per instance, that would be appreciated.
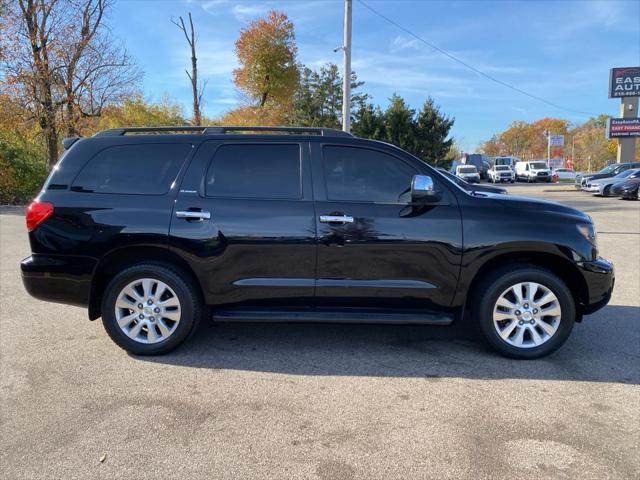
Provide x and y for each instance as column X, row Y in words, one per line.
column 150, row 309
column 526, row 312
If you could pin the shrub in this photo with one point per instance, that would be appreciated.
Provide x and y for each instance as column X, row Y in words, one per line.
column 22, row 169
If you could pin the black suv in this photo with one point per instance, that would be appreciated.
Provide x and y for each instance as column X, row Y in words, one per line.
column 154, row 229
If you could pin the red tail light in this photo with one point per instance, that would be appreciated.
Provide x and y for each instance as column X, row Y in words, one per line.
column 37, row 213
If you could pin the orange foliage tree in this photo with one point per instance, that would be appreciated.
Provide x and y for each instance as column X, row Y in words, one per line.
column 268, row 74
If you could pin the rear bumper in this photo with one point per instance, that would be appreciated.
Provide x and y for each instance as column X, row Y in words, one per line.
column 58, row 278
column 599, row 275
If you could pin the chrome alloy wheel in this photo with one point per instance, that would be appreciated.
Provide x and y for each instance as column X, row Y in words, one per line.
column 147, row 310
column 526, row 315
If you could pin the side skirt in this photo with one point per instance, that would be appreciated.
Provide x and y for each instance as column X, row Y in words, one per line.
column 371, row 316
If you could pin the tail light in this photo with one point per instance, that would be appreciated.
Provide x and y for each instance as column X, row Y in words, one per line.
column 37, row 213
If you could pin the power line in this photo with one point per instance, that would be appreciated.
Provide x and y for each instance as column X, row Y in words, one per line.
column 471, row 67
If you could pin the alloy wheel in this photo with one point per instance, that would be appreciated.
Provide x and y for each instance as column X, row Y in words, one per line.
column 147, row 310
column 527, row 315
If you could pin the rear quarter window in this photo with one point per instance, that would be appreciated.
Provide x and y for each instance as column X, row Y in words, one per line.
column 143, row 169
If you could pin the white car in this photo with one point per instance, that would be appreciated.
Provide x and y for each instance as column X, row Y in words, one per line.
column 602, row 186
column 566, row 174
column 469, row 173
column 501, row 173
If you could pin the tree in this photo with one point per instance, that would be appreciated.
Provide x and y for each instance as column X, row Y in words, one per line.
column 431, row 132
column 196, row 89
column 370, row 123
column 266, row 52
column 61, row 63
column 399, row 124
column 318, row 98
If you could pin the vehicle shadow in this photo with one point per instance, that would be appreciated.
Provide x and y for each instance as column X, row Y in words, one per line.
column 604, row 348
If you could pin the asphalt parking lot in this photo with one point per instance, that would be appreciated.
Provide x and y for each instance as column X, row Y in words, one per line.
column 322, row 401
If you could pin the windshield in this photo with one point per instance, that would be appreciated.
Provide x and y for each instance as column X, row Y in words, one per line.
column 469, row 169
column 502, row 167
column 625, row 174
column 458, row 181
column 608, row 169
column 537, row 165
column 503, row 161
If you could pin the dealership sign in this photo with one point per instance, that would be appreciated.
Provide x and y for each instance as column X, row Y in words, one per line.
column 556, row 140
column 623, row 127
column 624, row 82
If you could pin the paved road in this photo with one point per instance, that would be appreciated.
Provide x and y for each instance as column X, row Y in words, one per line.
column 326, row 402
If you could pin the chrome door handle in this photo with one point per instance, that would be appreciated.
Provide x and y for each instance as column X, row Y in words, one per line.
column 336, row 219
column 194, row 215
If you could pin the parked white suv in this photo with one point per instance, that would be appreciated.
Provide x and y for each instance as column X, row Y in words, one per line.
column 534, row 171
column 501, row 173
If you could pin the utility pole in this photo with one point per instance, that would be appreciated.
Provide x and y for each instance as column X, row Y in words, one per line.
column 346, row 81
column 627, row 146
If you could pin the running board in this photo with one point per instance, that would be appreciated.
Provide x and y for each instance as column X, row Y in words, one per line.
column 419, row 317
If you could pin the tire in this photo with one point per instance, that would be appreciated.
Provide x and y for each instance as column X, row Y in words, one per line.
column 176, row 284
column 606, row 192
column 499, row 282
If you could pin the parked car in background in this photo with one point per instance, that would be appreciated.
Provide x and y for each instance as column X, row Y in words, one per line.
column 608, row 171
column 501, row 173
column 565, row 174
column 477, row 187
column 533, row 171
column 627, row 189
column 468, row 173
column 604, row 186
column 301, row 225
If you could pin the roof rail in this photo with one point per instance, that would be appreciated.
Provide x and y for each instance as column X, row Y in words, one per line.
column 114, row 132
column 325, row 132
column 218, row 130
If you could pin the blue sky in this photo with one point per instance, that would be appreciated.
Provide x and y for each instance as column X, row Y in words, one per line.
column 558, row 50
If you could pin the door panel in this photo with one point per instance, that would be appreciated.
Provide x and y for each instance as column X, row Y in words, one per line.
column 252, row 251
column 392, row 255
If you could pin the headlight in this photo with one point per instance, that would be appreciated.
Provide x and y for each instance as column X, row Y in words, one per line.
column 588, row 231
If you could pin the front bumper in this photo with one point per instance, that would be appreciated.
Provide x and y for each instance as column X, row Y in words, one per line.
column 599, row 275
column 58, row 278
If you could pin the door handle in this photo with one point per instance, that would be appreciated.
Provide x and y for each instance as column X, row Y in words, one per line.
column 336, row 219
column 193, row 215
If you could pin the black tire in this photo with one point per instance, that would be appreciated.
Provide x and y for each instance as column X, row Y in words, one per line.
column 606, row 192
column 502, row 279
column 188, row 295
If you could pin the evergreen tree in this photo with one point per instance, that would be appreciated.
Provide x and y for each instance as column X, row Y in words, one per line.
column 431, row 131
column 318, row 98
column 400, row 124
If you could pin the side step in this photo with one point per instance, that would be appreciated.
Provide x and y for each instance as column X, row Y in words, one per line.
column 420, row 317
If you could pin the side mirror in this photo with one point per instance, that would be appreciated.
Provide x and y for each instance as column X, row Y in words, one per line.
column 423, row 189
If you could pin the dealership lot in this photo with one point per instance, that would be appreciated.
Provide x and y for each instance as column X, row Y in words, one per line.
column 322, row 401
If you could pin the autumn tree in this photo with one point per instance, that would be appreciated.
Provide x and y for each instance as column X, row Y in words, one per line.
column 268, row 72
column 197, row 89
column 62, row 64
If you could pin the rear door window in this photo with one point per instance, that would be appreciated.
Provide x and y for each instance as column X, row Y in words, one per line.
column 133, row 169
column 266, row 171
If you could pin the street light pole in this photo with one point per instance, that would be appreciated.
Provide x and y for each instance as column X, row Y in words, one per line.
column 346, row 81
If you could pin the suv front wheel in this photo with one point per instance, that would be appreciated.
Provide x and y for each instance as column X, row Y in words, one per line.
column 525, row 312
column 150, row 309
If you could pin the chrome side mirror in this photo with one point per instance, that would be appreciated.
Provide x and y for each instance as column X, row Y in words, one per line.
column 423, row 189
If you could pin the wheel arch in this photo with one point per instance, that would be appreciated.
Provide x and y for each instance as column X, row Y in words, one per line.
column 116, row 261
column 558, row 265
